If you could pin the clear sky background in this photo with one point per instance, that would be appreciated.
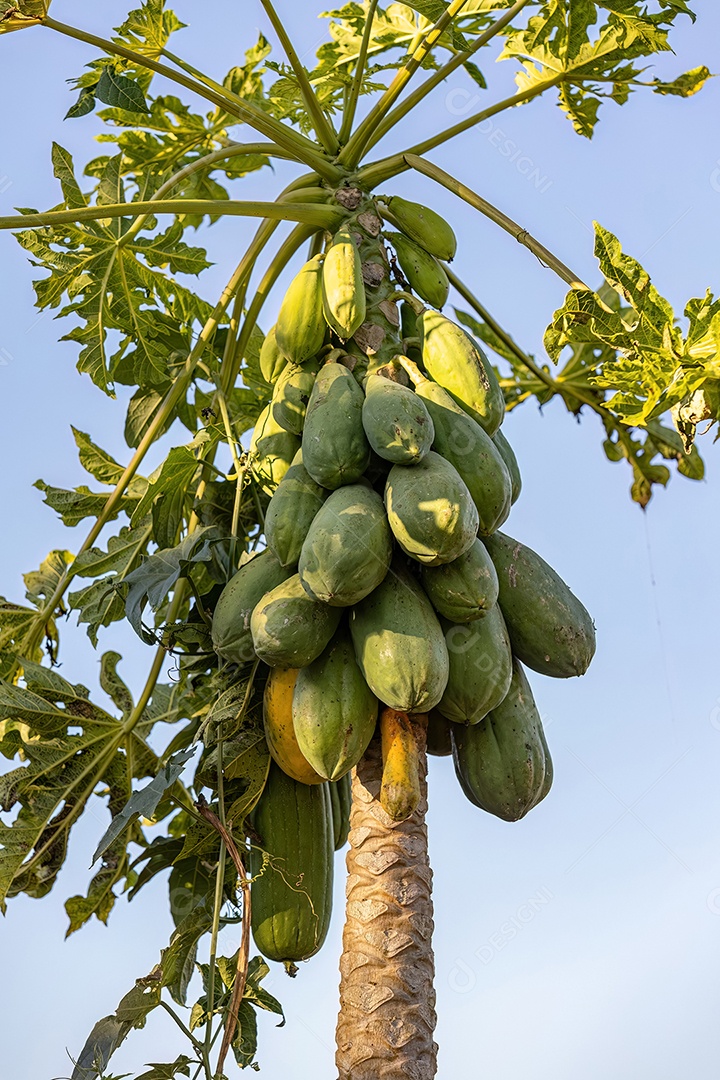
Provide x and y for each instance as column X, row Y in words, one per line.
column 582, row 941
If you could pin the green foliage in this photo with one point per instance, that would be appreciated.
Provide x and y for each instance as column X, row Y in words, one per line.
column 125, row 288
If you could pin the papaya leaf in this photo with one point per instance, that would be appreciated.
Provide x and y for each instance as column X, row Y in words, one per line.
column 167, row 494
column 100, row 603
column 81, row 503
column 110, row 1032
column 120, row 92
column 685, row 85
column 147, row 29
column 69, row 746
column 144, row 802
column 151, row 582
column 180, row 1066
column 113, row 685
column 102, row 466
column 178, row 959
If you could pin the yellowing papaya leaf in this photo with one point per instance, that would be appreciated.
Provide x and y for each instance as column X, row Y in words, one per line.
column 19, row 14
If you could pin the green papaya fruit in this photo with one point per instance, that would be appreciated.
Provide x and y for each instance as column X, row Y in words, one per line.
column 300, row 326
column 271, row 451
column 480, row 668
column 272, row 361
column 335, row 450
column 422, row 225
column 550, row 630
column 424, row 274
column 288, row 628
column 503, row 763
column 396, row 422
column 464, row 589
column 463, row 443
column 430, row 510
column 334, row 711
column 341, row 801
column 439, row 738
column 291, row 395
column 291, row 511
column 409, row 329
column 511, row 463
column 348, row 548
column 399, row 644
column 291, row 890
column 343, row 287
column 455, row 362
column 231, row 634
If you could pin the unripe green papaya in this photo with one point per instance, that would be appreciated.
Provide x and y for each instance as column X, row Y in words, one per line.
column 549, row 628
column 291, row 511
column 422, row 225
column 439, row 737
column 465, row 589
column 396, row 422
column 503, row 763
column 399, row 644
column 289, row 629
column 272, row 360
column 463, row 443
column 291, row 395
column 300, row 326
column 430, row 510
column 335, row 450
column 348, row 548
column 291, row 890
column 341, row 801
column 343, row 287
column 480, row 668
column 231, row 634
column 511, row 462
column 271, row 451
column 455, row 362
column 334, row 711
column 424, row 273
column 409, row 329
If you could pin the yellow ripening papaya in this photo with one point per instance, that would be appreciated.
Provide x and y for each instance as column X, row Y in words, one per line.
column 424, row 274
column 400, row 788
column 454, row 361
column 300, row 326
column 272, row 361
column 343, row 288
column 422, row 225
column 271, row 451
column 279, row 730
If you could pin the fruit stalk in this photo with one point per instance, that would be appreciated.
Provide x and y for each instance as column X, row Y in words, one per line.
column 387, row 1001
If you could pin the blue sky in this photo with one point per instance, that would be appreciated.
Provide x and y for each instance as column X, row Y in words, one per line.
column 582, row 940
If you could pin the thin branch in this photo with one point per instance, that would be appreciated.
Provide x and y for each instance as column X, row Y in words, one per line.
column 322, row 126
column 521, row 235
column 442, row 73
column 309, row 213
column 377, row 172
column 355, row 148
column 301, row 147
column 205, row 162
column 353, row 97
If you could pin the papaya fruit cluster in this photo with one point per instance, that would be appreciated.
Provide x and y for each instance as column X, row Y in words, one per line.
column 387, row 600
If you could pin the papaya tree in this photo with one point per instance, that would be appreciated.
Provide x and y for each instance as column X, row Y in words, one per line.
column 319, row 558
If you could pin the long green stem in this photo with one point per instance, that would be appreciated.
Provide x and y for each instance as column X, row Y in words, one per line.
column 378, row 172
column 442, row 73
column 355, row 148
column 250, row 114
column 521, row 235
column 219, row 887
column 319, row 216
column 322, row 126
column 353, row 96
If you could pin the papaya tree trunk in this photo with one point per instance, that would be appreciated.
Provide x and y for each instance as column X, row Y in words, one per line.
column 387, row 1001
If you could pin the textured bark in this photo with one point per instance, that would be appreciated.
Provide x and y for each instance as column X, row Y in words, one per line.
column 387, row 1001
